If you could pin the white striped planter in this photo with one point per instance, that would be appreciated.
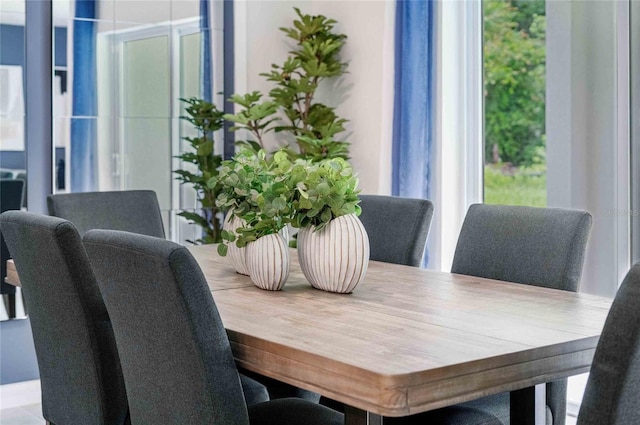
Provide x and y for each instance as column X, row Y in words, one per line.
column 268, row 262
column 236, row 255
column 335, row 259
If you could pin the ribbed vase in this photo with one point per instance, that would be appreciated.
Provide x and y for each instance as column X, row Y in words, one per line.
column 236, row 255
column 268, row 262
column 335, row 259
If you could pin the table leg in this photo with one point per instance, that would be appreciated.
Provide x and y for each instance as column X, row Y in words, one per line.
column 528, row 406
column 355, row 416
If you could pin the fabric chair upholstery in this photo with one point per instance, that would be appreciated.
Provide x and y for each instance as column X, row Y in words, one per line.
column 134, row 211
column 129, row 210
column 79, row 367
column 397, row 227
column 611, row 395
column 176, row 357
column 11, row 194
column 535, row 246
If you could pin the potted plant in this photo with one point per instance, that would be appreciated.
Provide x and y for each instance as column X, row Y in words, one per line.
column 259, row 193
column 333, row 246
column 207, row 119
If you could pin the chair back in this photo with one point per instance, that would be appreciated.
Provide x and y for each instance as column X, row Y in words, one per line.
column 79, row 367
column 175, row 354
column 611, row 395
column 397, row 227
column 535, row 246
column 11, row 193
column 135, row 211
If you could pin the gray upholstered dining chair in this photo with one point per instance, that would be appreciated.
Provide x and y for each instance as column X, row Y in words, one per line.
column 134, row 211
column 611, row 395
column 397, row 227
column 533, row 246
column 11, row 195
column 129, row 210
column 175, row 354
column 526, row 245
column 79, row 367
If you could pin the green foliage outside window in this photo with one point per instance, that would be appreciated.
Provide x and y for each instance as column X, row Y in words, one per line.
column 514, row 74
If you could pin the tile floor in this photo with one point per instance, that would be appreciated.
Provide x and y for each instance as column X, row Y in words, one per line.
column 20, row 404
column 24, row 415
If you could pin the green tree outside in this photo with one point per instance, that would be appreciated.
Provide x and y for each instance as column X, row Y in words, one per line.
column 514, row 84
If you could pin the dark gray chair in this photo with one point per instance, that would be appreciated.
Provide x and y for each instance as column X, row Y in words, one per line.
column 134, row 211
column 534, row 246
column 176, row 357
column 611, row 396
column 11, row 194
column 129, row 210
column 397, row 227
column 79, row 367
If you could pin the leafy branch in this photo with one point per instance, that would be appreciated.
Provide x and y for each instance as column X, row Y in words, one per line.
column 207, row 119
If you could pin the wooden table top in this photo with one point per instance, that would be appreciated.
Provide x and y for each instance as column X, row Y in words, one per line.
column 407, row 340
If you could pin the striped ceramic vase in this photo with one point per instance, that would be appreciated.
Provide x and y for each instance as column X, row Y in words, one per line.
column 335, row 259
column 268, row 262
column 236, row 255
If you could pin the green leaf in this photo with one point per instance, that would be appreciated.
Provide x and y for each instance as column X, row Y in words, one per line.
column 222, row 250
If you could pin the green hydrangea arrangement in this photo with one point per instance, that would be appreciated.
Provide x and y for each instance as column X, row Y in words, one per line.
column 260, row 190
column 328, row 190
column 269, row 192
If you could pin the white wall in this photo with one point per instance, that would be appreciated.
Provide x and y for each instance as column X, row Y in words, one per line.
column 586, row 155
column 364, row 95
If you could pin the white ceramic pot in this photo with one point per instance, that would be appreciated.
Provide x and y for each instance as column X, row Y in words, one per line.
column 335, row 259
column 268, row 262
column 236, row 255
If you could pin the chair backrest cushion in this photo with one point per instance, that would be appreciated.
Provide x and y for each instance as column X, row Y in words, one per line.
column 397, row 227
column 11, row 193
column 535, row 246
column 611, row 396
column 135, row 211
column 175, row 354
column 75, row 347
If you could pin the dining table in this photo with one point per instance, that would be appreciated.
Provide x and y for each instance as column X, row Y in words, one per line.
column 407, row 340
